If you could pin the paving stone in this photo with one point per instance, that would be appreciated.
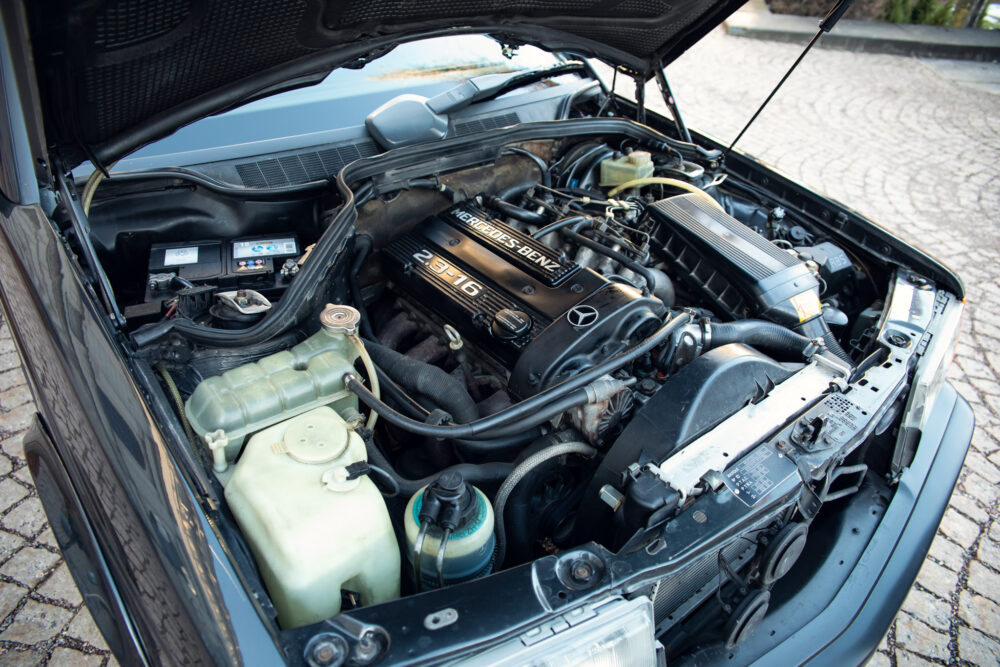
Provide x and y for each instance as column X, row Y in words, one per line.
column 918, row 637
column 10, row 493
column 29, row 565
column 937, row 579
column 47, row 538
column 948, row 553
column 17, row 419
column 983, row 466
column 968, row 508
column 989, row 553
column 22, row 657
column 60, row 586
column 9, row 543
column 9, row 360
column 979, row 612
column 13, row 445
column 906, row 659
column 6, row 465
column 984, row 581
column 15, row 397
column 963, row 531
column 10, row 595
column 929, row 609
column 36, row 622
column 28, row 518
column 980, row 489
column 879, row 659
column 977, row 648
column 83, row 628
column 67, row 657
column 12, row 378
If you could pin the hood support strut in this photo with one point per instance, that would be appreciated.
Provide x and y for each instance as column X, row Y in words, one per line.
column 81, row 227
column 671, row 102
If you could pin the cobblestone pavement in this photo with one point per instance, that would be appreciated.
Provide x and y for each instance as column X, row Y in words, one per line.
column 890, row 136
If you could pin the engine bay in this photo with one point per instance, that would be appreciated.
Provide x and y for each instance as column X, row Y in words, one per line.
column 569, row 342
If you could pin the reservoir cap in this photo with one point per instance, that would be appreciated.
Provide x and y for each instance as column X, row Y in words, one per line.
column 316, row 438
column 340, row 319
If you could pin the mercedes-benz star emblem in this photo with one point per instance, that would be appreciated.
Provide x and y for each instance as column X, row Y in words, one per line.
column 582, row 316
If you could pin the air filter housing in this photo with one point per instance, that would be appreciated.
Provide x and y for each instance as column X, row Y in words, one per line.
column 737, row 269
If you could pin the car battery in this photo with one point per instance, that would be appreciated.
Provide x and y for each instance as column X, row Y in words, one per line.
column 260, row 257
column 197, row 261
column 193, row 270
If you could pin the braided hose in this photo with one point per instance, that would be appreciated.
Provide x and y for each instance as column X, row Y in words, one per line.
column 519, row 473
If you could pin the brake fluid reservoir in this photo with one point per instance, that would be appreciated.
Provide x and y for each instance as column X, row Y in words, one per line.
column 625, row 168
column 449, row 503
column 315, row 528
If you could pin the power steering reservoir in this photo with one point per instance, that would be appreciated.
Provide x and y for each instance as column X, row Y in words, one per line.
column 449, row 532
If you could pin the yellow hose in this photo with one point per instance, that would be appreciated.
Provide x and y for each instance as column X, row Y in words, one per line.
column 89, row 189
column 372, row 376
column 660, row 180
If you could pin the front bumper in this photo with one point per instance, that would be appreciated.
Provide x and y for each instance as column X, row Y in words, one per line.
column 840, row 616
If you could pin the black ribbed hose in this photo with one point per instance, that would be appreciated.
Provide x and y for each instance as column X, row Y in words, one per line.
column 362, row 248
column 759, row 333
column 473, row 473
column 425, row 379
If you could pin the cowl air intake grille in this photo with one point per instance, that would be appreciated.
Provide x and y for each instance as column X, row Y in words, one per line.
column 303, row 167
column 486, row 123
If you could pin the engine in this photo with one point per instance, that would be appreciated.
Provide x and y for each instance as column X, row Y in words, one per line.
column 543, row 317
column 498, row 368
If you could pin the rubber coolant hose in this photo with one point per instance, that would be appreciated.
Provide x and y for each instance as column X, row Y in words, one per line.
column 362, row 247
column 526, row 407
column 512, row 211
column 519, row 473
column 474, row 473
column 485, row 428
column 426, row 379
column 759, row 333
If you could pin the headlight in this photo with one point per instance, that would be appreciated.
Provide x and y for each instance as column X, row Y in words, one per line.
column 933, row 365
column 609, row 632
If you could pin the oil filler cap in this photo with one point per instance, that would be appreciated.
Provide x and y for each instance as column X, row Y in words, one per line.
column 510, row 324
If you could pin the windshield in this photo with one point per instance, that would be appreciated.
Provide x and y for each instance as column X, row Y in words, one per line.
column 330, row 110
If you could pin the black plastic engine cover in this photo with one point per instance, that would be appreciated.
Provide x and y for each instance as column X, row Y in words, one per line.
column 467, row 268
column 691, row 402
column 605, row 323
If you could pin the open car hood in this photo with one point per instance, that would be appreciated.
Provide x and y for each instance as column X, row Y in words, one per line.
column 114, row 75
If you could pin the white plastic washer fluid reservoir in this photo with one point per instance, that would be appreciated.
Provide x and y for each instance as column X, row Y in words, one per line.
column 312, row 530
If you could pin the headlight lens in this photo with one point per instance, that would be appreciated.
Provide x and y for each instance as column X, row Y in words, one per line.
column 606, row 633
column 933, row 365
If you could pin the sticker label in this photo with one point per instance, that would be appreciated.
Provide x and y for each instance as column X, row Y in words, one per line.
column 753, row 477
column 179, row 256
column 264, row 248
column 807, row 305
